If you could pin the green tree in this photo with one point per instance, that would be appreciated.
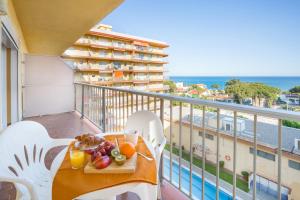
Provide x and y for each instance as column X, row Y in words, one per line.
column 241, row 90
column 200, row 90
column 171, row 84
column 215, row 86
column 295, row 89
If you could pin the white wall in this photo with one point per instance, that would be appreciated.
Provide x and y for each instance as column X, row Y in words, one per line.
column 48, row 86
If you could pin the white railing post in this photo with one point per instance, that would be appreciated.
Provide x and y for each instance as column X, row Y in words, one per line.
column 171, row 141
column 234, row 154
column 191, row 150
column 218, row 153
column 279, row 152
column 103, row 111
column 82, row 101
column 180, row 142
column 161, row 170
column 203, row 152
column 254, row 156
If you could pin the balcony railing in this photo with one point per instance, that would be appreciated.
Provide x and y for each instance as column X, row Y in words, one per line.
column 108, row 108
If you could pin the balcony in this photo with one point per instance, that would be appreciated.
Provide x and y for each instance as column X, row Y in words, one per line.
column 184, row 127
column 210, row 144
column 69, row 125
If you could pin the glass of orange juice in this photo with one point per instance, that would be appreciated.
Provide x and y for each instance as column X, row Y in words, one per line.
column 77, row 158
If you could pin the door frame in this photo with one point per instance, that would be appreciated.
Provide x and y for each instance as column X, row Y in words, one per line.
column 8, row 42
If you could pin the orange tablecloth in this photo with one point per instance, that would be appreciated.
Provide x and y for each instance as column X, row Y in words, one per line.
column 69, row 183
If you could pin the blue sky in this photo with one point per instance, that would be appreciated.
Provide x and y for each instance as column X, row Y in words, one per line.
column 218, row 37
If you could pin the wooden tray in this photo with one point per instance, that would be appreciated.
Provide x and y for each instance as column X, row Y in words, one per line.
column 128, row 167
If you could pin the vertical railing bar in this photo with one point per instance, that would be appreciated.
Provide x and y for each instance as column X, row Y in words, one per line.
column 75, row 97
column 103, row 110
column 115, row 110
column 203, row 151
column 82, row 101
column 123, row 106
column 148, row 103
column 127, row 105
column 119, row 117
column 111, row 111
column 234, row 154
column 171, row 140
column 155, row 105
column 161, row 170
column 180, row 142
column 98, row 109
column 254, row 156
column 218, row 153
column 279, row 152
column 142, row 102
column 131, row 99
column 89, row 105
column 136, row 103
column 191, row 150
column 92, row 104
column 108, row 109
column 100, row 105
column 97, row 106
column 89, row 102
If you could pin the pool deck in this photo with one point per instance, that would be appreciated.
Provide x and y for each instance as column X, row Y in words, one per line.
column 223, row 184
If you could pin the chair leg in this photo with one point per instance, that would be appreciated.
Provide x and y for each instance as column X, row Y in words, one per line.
column 159, row 196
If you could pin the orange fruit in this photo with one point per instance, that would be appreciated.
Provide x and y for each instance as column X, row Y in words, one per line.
column 127, row 149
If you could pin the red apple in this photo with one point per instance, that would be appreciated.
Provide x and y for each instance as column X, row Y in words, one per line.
column 102, row 162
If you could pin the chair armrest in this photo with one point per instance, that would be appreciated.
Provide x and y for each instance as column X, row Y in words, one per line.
column 161, row 146
column 27, row 183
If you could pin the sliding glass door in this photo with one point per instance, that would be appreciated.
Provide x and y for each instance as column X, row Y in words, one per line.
column 9, row 80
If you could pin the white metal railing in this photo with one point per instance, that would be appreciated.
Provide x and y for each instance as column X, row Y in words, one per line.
column 109, row 107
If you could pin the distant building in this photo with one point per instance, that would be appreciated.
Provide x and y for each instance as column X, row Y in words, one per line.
column 291, row 99
column 107, row 58
column 266, row 148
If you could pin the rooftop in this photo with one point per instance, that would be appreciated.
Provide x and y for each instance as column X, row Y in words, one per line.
column 266, row 132
column 109, row 32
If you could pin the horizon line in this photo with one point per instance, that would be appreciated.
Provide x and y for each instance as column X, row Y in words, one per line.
column 226, row 75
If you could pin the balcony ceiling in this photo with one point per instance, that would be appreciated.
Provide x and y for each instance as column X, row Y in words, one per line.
column 51, row 26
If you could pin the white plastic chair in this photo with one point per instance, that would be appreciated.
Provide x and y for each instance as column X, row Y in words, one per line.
column 23, row 147
column 150, row 127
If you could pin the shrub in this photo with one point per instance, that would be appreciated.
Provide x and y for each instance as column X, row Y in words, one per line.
column 292, row 124
column 221, row 164
column 245, row 175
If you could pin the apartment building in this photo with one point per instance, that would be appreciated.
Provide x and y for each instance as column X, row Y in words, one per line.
column 107, row 58
column 267, row 140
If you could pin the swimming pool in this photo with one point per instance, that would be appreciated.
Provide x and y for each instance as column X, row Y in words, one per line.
column 210, row 189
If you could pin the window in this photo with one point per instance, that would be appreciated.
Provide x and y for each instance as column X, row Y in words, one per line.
column 294, row 165
column 207, row 136
column 263, row 154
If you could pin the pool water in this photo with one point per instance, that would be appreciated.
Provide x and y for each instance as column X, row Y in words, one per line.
column 210, row 189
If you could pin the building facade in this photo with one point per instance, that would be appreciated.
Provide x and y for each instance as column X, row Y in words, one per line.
column 106, row 58
column 267, row 159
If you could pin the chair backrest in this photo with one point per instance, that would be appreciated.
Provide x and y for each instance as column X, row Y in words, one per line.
column 148, row 125
column 23, row 145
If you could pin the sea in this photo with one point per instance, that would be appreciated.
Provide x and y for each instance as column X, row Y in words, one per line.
column 283, row 82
